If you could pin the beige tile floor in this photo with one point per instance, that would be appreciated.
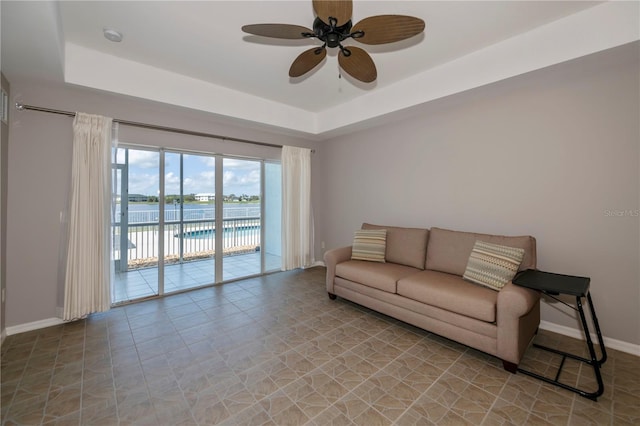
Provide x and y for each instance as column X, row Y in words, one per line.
column 275, row 350
column 140, row 283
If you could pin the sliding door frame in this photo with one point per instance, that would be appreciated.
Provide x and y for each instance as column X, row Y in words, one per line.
column 219, row 206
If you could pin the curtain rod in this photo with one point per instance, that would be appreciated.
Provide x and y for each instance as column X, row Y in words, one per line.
column 22, row 107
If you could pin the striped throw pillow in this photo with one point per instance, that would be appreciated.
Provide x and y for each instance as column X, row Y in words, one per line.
column 493, row 265
column 370, row 245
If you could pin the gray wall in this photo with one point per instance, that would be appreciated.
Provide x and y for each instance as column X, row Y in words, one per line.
column 554, row 154
column 40, row 173
column 4, row 170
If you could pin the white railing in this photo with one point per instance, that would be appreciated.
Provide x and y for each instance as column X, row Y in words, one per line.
column 172, row 214
column 193, row 239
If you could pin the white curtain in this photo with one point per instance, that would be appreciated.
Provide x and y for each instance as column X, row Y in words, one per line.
column 87, row 278
column 297, row 221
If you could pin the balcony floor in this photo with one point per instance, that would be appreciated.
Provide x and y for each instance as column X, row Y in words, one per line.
column 141, row 283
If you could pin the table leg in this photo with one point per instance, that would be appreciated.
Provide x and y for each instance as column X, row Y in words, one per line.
column 593, row 361
column 598, row 332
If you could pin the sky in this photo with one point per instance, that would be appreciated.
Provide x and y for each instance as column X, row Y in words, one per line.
column 239, row 176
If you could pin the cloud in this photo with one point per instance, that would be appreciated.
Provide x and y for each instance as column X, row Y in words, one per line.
column 144, row 159
column 206, row 160
column 171, row 183
column 239, row 176
column 236, row 164
column 208, row 175
column 241, row 182
column 202, row 182
column 143, row 183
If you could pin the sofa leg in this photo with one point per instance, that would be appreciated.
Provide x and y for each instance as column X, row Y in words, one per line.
column 332, row 296
column 510, row 366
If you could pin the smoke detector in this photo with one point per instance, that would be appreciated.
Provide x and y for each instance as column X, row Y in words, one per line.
column 112, row 35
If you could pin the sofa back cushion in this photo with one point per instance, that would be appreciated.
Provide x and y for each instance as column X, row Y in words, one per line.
column 449, row 251
column 405, row 246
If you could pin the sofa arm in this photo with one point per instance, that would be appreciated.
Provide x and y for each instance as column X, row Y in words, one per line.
column 331, row 259
column 518, row 318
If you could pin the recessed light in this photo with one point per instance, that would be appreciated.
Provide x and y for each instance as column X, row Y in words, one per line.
column 112, row 35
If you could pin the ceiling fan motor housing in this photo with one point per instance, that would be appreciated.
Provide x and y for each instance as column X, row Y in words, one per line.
column 331, row 34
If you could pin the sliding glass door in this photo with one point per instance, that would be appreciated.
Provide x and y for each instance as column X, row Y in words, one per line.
column 189, row 200
column 135, row 224
column 241, row 218
column 271, row 217
column 185, row 220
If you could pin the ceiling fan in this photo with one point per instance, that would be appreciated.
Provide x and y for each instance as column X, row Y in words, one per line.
column 332, row 26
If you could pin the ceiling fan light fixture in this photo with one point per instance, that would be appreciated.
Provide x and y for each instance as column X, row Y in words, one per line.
column 333, row 40
column 112, row 35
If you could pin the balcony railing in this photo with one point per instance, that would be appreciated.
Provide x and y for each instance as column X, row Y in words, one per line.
column 173, row 214
column 191, row 239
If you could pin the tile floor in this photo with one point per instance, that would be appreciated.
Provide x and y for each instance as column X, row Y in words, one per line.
column 141, row 283
column 275, row 350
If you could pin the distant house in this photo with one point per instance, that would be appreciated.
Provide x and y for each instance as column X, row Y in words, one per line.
column 205, row 197
column 138, row 198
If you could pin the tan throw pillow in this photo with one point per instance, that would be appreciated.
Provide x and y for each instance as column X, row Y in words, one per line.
column 369, row 244
column 493, row 265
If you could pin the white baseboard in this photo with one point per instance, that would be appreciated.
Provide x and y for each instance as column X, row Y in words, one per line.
column 35, row 325
column 619, row 345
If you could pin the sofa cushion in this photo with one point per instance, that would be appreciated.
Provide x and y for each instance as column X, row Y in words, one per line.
column 382, row 276
column 369, row 245
column 405, row 246
column 450, row 292
column 493, row 265
column 448, row 251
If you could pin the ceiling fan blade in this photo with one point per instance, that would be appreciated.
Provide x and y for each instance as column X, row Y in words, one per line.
column 358, row 65
column 383, row 29
column 277, row 30
column 339, row 9
column 307, row 61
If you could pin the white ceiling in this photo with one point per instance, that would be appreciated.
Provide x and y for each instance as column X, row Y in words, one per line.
column 194, row 54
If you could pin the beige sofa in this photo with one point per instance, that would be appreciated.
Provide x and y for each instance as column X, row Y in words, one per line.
column 421, row 283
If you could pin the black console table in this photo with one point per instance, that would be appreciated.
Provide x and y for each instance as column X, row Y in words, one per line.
column 553, row 285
